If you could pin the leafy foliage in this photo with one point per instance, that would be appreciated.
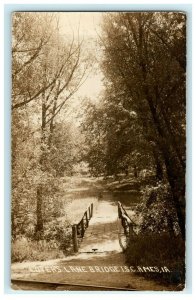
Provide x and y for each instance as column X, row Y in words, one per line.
column 157, row 213
column 144, row 67
column 47, row 70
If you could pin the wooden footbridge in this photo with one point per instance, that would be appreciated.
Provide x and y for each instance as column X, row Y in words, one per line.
column 102, row 232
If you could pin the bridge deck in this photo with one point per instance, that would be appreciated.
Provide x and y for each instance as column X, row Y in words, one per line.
column 102, row 233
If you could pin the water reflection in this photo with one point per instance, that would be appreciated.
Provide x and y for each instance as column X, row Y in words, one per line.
column 128, row 199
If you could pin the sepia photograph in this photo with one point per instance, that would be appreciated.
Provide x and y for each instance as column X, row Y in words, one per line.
column 98, row 151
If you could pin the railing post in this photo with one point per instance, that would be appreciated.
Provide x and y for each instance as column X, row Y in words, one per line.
column 119, row 210
column 82, row 223
column 91, row 210
column 86, row 216
column 74, row 238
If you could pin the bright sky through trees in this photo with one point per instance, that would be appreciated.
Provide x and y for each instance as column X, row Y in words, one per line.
column 87, row 26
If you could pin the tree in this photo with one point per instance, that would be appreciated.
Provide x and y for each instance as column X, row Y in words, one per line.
column 47, row 71
column 63, row 155
column 113, row 138
column 27, row 47
column 144, row 56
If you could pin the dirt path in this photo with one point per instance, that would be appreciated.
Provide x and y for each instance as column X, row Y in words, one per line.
column 100, row 261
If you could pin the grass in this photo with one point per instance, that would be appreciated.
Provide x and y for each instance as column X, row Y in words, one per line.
column 158, row 250
column 24, row 249
column 55, row 243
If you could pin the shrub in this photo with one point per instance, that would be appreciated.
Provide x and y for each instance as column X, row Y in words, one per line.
column 156, row 212
column 24, row 249
column 59, row 231
column 158, row 250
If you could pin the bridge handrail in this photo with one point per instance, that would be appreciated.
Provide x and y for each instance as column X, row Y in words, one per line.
column 122, row 212
column 127, row 223
column 78, row 229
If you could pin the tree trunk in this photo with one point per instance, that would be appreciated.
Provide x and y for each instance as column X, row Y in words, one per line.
column 135, row 171
column 175, row 173
column 158, row 163
column 177, row 184
column 39, row 225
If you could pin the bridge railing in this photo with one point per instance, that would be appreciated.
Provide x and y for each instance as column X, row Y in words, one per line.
column 78, row 230
column 127, row 224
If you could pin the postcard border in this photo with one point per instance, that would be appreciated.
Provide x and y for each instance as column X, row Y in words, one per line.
column 8, row 9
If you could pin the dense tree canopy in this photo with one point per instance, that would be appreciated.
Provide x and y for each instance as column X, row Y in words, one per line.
column 143, row 108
